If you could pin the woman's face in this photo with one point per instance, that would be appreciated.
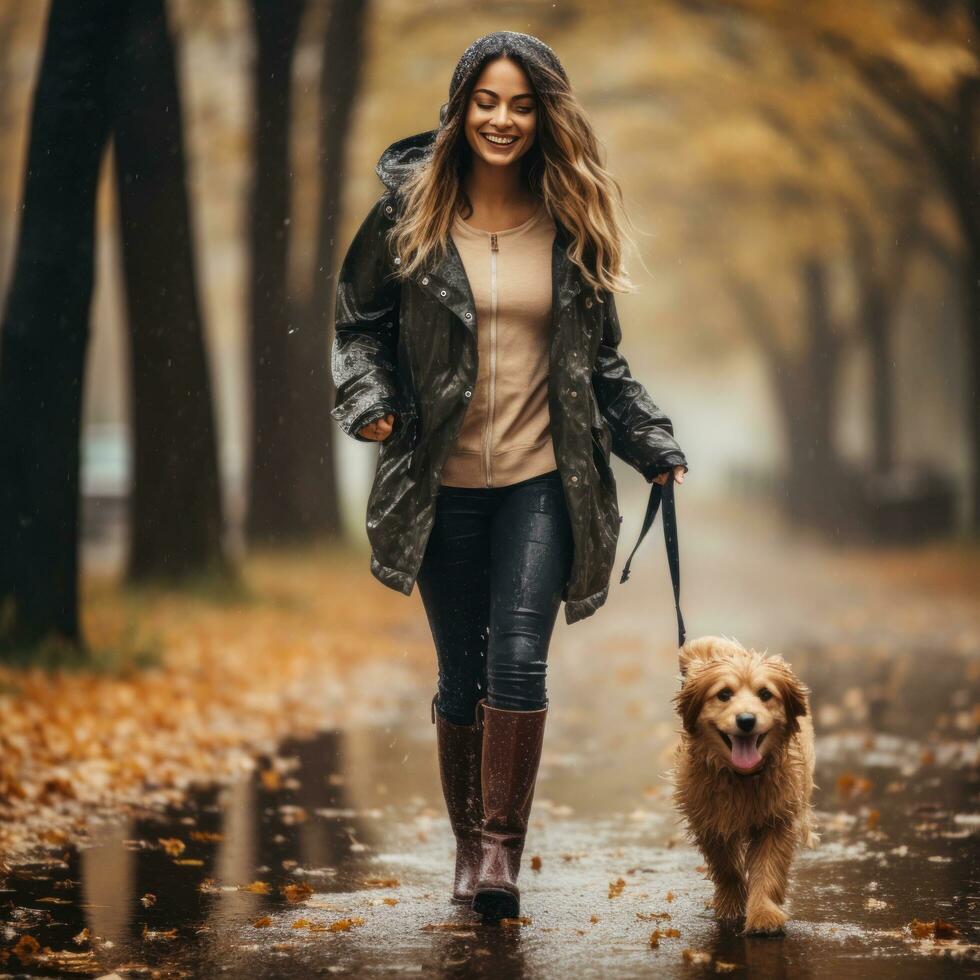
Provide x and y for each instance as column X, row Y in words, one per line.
column 502, row 105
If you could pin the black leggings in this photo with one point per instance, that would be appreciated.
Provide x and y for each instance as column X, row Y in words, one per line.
column 491, row 579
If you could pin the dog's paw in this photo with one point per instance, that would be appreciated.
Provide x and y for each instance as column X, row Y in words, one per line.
column 765, row 920
column 729, row 904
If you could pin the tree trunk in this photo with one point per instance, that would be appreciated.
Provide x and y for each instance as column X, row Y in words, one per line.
column 272, row 512
column 46, row 326
column 807, row 389
column 175, row 505
column 313, row 472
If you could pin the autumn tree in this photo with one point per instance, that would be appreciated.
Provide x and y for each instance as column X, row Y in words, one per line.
column 45, row 328
column 176, row 523
column 923, row 60
column 272, row 513
column 107, row 69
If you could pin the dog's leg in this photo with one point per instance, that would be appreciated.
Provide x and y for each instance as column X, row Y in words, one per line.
column 768, row 859
column 725, row 865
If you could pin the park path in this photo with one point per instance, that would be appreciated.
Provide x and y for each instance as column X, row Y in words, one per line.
column 333, row 856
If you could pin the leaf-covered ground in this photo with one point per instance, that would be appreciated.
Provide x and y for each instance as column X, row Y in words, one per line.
column 232, row 677
column 266, row 803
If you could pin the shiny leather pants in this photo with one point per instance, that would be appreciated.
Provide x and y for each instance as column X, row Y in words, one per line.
column 491, row 579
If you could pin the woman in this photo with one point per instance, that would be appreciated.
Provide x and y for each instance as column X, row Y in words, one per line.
column 477, row 340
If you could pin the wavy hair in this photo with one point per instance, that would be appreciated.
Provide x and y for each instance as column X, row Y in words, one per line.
column 562, row 167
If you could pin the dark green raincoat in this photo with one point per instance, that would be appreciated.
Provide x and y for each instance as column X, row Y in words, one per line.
column 410, row 348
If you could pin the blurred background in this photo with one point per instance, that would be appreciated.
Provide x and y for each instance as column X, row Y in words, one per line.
column 179, row 182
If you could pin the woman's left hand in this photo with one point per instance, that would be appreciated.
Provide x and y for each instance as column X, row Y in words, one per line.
column 661, row 478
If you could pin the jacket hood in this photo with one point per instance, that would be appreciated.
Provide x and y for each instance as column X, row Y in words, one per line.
column 402, row 156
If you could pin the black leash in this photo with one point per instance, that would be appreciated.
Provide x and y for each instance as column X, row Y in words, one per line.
column 666, row 494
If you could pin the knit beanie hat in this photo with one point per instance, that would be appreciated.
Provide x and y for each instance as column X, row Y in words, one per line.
column 528, row 48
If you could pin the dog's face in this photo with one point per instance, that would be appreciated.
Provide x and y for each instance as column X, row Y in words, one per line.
column 740, row 705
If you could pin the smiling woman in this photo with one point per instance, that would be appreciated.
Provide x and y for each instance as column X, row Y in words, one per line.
column 476, row 302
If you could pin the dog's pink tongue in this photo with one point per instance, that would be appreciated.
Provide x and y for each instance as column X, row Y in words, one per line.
column 745, row 755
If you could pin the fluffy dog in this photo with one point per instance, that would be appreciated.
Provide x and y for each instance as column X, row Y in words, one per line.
column 743, row 775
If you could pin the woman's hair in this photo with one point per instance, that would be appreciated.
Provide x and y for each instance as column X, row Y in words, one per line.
column 562, row 167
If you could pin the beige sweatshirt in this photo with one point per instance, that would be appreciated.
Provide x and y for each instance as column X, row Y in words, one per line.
column 506, row 432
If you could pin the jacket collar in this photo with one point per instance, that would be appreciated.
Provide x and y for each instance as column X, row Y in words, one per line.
column 445, row 279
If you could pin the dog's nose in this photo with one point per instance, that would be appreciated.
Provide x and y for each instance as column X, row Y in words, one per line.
column 746, row 722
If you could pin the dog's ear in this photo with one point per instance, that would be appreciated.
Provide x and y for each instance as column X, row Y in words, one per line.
column 689, row 700
column 792, row 691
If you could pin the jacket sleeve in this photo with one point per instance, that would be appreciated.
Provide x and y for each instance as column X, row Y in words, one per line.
column 363, row 357
column 642, row 435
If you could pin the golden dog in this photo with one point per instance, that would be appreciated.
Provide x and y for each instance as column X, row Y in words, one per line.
column 743, row 774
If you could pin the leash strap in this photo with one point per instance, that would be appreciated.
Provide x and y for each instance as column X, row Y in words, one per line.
column 664, row 493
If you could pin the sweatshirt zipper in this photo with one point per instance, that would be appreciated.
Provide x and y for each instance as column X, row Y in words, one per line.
column 493, row 352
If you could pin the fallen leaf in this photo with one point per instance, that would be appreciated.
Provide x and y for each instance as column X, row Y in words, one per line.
column 653, row 916
column 256, row 887
column 695, row 956
column 616, row 887
column 270, row 780
column 344, row 925
column 206, row 836
column 296, row 893
column 26, row 949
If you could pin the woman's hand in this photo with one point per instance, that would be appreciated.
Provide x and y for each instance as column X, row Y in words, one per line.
column 379, row 429
column 661, row 478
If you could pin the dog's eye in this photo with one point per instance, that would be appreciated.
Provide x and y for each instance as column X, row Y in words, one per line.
column 765, row 695
column 724, row 694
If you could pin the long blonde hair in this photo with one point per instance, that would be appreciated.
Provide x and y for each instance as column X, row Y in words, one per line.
column 562, row 167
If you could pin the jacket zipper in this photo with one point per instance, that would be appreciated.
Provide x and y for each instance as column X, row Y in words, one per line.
column 493, row 352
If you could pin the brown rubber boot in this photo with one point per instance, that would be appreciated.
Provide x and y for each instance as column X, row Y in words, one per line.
column 460, row 754
column 512, row 742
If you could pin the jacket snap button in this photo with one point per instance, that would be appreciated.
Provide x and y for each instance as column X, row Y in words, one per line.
column 469, row 316
column 467, row 393
column 398, row 260
column 388, row 209
column 574, row 394
column 588, row 302
column 425, row 280
column 442, row 292
column 574, row 478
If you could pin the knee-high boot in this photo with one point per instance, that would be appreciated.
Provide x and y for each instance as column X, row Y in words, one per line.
column 460, row 757
column 512, row 742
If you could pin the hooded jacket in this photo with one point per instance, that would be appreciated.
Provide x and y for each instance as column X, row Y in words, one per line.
column 409, row 347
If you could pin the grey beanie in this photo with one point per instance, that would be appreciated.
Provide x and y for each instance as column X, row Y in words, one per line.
column 527, row 47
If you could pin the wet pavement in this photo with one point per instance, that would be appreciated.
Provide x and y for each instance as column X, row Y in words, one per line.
column 334, row 856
